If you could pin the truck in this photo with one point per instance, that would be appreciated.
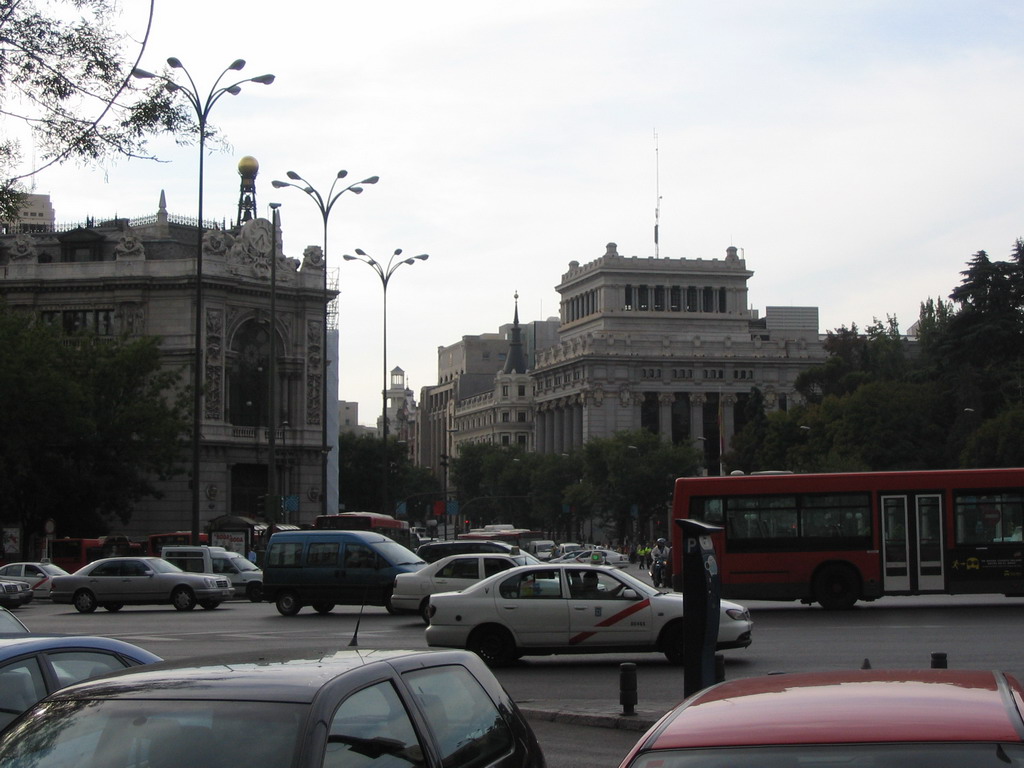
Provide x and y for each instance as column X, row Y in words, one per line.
column 245, row 576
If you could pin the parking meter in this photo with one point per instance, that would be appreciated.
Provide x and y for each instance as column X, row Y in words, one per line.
column 701, row 604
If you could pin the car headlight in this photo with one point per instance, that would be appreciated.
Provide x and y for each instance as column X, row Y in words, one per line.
column 211, row 583
column 738, row 614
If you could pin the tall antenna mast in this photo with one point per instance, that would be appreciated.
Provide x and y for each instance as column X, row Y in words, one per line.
column 657, row 193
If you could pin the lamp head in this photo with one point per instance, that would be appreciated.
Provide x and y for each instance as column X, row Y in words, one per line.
column 342, row 174
column 174, row 63
column 371, row 180
column 356, row 190
column 171, row 87
column 237, row 64
column 293, row 176
column 360, row 251
column 264, row 79
column 142, row 74
column 234, row 90
column 279, row 184
column 398, row 251
column 422, row 256
column 347, row 257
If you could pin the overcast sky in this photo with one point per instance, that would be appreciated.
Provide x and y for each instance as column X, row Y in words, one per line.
column 857, row 152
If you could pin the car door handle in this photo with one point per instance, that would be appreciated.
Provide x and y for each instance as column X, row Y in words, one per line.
column 510, row 607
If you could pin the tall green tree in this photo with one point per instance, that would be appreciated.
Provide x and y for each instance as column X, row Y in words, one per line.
column 361, row 477
column 88, row 427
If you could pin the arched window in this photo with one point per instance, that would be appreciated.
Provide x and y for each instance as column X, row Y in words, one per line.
column 249, row 376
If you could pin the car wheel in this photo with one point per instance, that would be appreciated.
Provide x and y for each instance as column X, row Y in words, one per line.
column 183, row 599
column 837, row 587
column 84, row 601
column 387, row 604
column 288, row 604
column 113, row 607
column 209, row 605
column 672, row 644
column 425, row 610
column 494, row 645
column 323, row 608
column 254, row 591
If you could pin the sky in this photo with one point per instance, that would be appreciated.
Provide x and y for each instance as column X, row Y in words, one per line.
column 857, row 153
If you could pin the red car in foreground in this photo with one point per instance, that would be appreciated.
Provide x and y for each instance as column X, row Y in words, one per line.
column 858, row 719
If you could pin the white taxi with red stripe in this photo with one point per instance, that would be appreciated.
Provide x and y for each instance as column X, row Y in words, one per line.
column 569, row 608
column 37, row 575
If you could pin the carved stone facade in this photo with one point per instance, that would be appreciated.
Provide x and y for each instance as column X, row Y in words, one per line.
column 137, row 277
column 667, row 345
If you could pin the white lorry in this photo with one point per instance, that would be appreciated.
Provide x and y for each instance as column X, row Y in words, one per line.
column 246, row 578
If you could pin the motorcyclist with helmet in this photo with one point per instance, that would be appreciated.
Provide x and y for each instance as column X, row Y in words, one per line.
column 660, row 563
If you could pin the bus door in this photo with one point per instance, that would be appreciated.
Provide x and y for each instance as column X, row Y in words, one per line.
column 912, row 543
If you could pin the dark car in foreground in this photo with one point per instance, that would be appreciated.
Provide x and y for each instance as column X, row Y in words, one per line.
column 858, row 719
column 356, row 708
column 119, row 581
column 32, row 666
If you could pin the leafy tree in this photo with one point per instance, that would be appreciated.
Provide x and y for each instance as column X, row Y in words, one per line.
column 999, row 442
column 94, row 425
column 361, row 477
column 66, row 87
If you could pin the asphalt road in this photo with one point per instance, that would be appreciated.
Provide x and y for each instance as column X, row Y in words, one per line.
column 975, row 632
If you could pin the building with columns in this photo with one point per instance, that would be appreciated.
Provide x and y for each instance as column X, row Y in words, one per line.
column 667, row 345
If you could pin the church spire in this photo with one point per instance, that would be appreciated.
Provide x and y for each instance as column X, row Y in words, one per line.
column 516, row 360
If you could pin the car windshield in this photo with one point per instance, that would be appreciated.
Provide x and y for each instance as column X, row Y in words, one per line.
column 243, row 565
column 396, row 554
column 635, row 583
column 111, row 733
column 933, row 755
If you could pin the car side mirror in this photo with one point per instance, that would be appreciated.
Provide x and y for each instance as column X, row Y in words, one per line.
column 630, row 594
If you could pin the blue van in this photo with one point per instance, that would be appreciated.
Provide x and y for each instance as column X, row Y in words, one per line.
column 328, row 568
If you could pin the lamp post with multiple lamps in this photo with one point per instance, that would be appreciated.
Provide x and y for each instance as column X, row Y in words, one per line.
column 325, row 203
column 202, row 107
column 385, row 273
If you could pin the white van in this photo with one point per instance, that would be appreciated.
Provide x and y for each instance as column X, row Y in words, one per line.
column 245, row 577
column 542, row 549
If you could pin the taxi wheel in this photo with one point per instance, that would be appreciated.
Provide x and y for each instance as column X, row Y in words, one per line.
column 494, row 645
column 425, row 610
column 672, row 644
column 387, row 604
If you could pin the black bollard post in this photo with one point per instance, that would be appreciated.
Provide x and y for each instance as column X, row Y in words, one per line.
column 939, row 661
column 719, row 668
column 627, row 688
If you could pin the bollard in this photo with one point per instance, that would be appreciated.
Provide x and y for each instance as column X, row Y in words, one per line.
column 939, row 661
column 719, row 668
column 627, row 688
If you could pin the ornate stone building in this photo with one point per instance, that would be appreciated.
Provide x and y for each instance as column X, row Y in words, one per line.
column 138, row 277
column 667, row 345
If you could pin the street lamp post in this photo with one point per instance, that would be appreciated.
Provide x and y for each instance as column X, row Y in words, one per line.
column 325, row 203
column 385, row 273
column 202, row 108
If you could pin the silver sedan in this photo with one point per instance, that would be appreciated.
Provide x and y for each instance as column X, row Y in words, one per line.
column 119, row 581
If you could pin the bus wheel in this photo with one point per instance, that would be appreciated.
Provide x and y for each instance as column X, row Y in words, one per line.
column 837, row 587
column 288, row 604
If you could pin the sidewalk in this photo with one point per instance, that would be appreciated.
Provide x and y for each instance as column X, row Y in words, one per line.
column 601, row 714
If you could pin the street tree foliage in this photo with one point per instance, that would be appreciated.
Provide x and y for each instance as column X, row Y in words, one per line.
column 88, row 426
column 953, row 399
column 361, row 477
column 66, row 90
column 622, row 482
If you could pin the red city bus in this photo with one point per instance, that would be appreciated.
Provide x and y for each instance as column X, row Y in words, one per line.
column 386, row 525
column 519, row 537
column 157, row 541
column 72, row 554
column 840, row 538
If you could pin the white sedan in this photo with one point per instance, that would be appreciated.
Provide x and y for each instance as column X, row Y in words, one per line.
column 36, row 575
column 569, row 608
column 412, row 591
